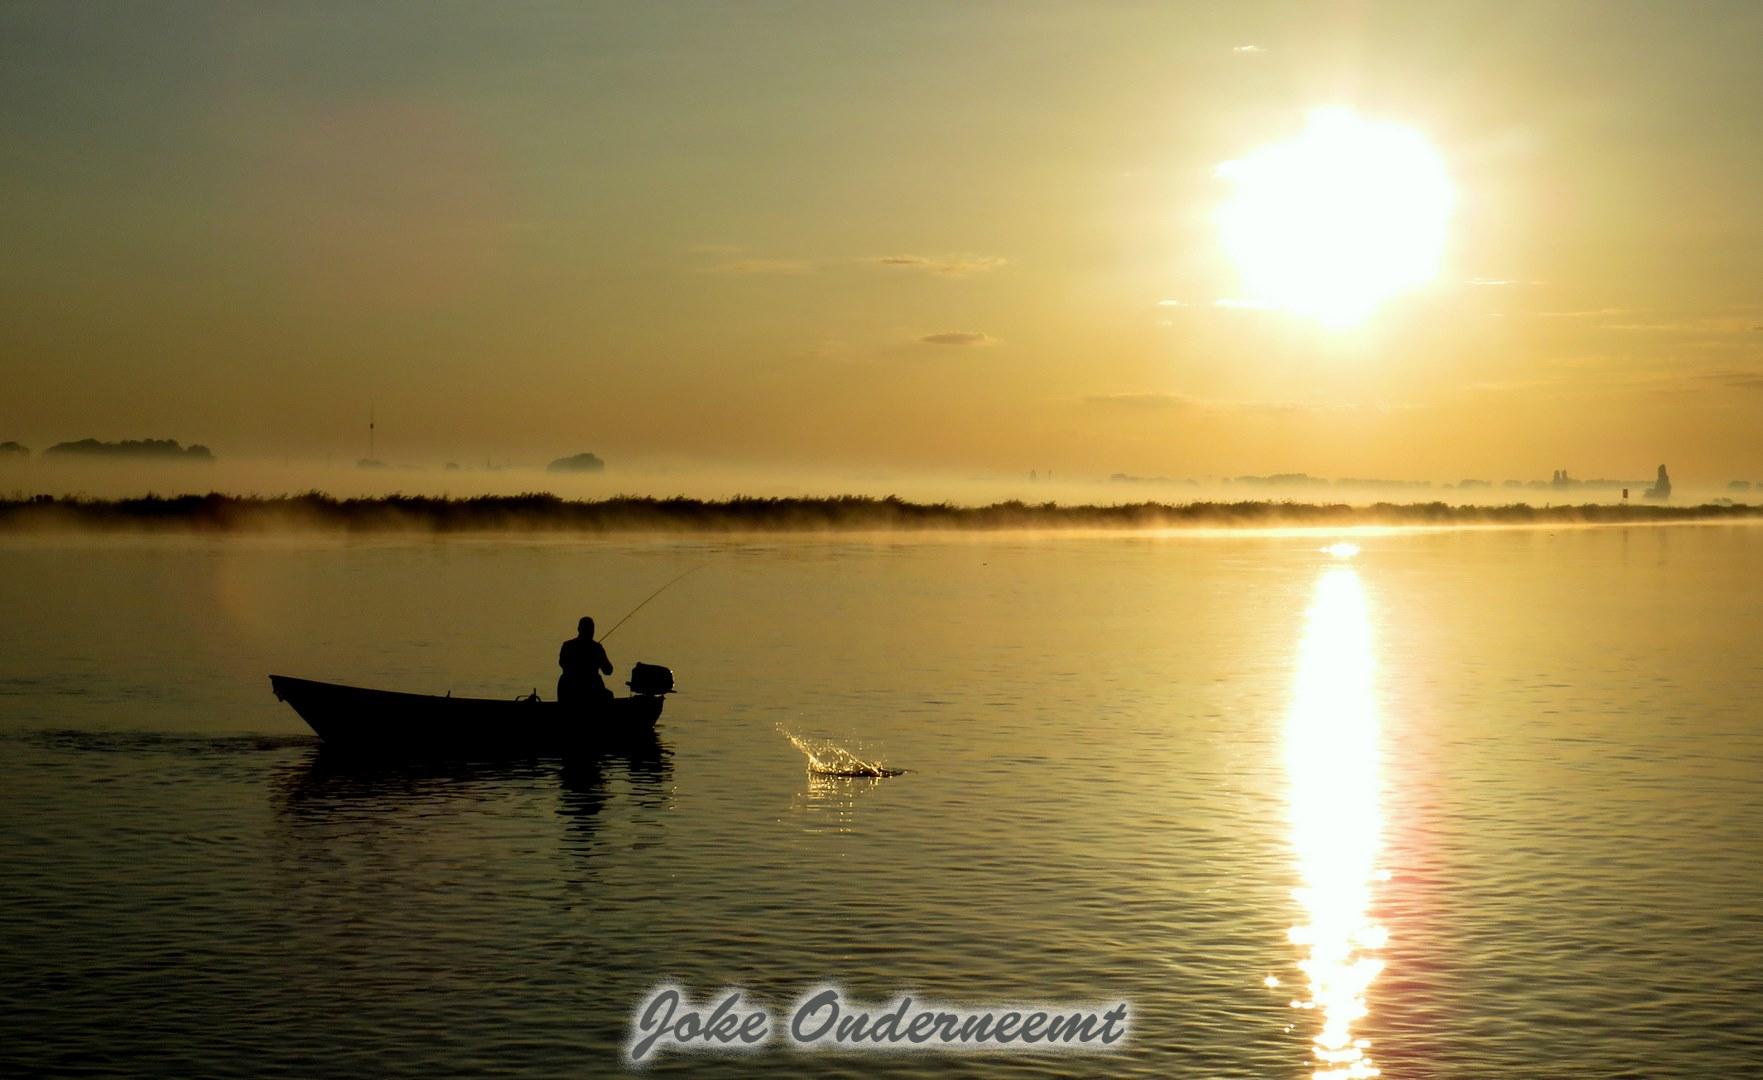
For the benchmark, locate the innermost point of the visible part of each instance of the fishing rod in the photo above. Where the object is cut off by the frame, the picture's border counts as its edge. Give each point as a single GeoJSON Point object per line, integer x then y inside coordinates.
{"type": "Point", "coordinates": [648, 598]}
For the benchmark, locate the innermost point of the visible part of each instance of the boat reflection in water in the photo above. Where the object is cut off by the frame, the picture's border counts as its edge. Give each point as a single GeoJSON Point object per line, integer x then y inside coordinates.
{"type": "Point", "coordinates": [379, 796]}
{"type": "Point", "coordinates": [1332, 764]}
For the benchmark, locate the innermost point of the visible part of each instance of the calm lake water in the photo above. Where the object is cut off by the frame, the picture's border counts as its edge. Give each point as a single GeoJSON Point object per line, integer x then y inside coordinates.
{"type": "Point", "coordinates": [1488, 802]}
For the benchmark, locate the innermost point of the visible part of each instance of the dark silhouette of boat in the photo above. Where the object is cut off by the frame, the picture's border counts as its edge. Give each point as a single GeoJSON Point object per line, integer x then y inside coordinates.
{"type": "Point", "coordinates": [423, 725]}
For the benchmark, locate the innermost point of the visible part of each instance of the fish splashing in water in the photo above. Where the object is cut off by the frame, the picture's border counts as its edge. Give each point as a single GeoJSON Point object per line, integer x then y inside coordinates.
{"type": "Point", "coordinates": [829, 759]}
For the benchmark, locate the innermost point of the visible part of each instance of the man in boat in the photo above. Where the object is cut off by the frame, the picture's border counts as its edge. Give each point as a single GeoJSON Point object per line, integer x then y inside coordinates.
{"type": "Point", "coordinates": [583, 661]}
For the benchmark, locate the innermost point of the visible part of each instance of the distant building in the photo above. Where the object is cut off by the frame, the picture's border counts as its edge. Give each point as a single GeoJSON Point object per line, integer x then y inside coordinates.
{"type": "Point", "coordinates": [1661, 488]}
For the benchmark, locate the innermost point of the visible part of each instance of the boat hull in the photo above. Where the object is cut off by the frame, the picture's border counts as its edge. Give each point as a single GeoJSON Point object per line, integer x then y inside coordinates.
{"type": "Point", "coordinates": [388, 722]}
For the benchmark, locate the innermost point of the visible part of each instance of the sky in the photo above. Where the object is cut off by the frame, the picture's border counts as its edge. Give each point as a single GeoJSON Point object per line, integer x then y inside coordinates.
{"type": "Point", "coordinates": [978, 236]}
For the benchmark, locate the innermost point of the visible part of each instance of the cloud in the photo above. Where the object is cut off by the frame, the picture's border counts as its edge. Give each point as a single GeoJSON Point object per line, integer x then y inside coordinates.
{"type": "Point", "coordinates": [1743, 380]}
{"type": "Point", "coordinates": [958, 337]}
{"type": "Point", "coordinates": [1650, 381]}
{"type": "Point", "coordinates": [1585, 313]}
{"type": "Point", "coordinates": [1172, 402]}
{"type": "Point", "coordinates": [940, 265]}
{"type": "Point", "coordinates": [1223, 303]}
{"type": "Point", "coordinates": [1687, 326]}
{"type": "Point", "coordinates": [1141, 401]}
{"type": "Point", "coordinates": [1247, 49]}
{"type": "Point", "coordinates": [1497, 283]}
{"type": "Point", "coordinates": [755, 267]}
{"type": "Point", "coordinates": [937, 265]}
{"type": "Point", "coordinates": [832, 349]}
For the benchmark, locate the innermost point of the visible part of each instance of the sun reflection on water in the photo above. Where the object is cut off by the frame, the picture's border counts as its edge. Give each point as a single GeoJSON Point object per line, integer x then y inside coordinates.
{"type": "Point", "coordinates": [1332, 764]}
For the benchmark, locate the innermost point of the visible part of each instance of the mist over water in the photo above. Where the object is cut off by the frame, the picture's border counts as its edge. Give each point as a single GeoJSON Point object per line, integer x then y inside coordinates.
{"type": "Point", "coordinates": [696, 479]}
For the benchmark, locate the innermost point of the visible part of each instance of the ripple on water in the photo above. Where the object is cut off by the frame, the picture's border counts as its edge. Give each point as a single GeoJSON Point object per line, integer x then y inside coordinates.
{"type": "Point", "coordinates": [1099, 806]}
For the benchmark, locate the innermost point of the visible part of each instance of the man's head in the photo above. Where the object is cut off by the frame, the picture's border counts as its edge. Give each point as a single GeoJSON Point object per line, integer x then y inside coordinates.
{"type": "Point", "coordinates": [585, 627]}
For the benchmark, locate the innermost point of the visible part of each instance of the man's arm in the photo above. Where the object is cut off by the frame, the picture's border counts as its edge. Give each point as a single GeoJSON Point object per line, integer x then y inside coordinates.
{"type": "Point", "coordinates": [605, 662]}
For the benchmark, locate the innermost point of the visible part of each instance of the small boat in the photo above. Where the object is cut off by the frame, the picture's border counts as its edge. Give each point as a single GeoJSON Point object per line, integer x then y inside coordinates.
{"type": "Point", "coordinates": [426, 725]}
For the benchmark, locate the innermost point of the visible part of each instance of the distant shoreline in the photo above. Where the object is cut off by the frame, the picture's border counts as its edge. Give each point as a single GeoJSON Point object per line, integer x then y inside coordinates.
{"type": "Point", "coordinates": [546, 513]}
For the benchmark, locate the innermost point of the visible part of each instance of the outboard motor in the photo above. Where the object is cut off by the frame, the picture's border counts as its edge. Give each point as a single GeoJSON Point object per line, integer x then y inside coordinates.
{"type": "Point", "coordinates": [650, 679]}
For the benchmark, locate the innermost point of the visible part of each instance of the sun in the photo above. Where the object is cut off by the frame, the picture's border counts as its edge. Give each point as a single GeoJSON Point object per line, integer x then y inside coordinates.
{"type": "Point", "coordinates": [1338, 219]}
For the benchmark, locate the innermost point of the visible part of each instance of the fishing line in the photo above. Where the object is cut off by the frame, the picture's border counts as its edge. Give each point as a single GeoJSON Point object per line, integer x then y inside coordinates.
{"type": "Point", "coordinates": [648, 598]}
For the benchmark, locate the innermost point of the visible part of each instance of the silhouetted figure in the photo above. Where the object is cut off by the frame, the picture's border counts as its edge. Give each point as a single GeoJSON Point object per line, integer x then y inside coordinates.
{"type": "Point", "coordinates": [583, 661]}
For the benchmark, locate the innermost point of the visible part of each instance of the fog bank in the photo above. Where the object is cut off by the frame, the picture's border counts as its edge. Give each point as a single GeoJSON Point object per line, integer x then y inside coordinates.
{"type": "Point", "coordinates": [116, 479]}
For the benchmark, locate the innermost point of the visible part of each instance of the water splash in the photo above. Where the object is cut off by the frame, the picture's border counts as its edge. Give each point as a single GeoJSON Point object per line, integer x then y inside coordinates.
{"type": "Point", "coordinates": [830, 759]}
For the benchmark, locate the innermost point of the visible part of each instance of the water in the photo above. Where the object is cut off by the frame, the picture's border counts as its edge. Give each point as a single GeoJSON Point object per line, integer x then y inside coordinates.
{"type": "Point", "coordinates": [1490, 802]}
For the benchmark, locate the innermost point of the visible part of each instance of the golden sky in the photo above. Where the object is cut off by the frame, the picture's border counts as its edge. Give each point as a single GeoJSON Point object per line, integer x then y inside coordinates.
{"type": "Point", "coordinates": [959, 236]}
